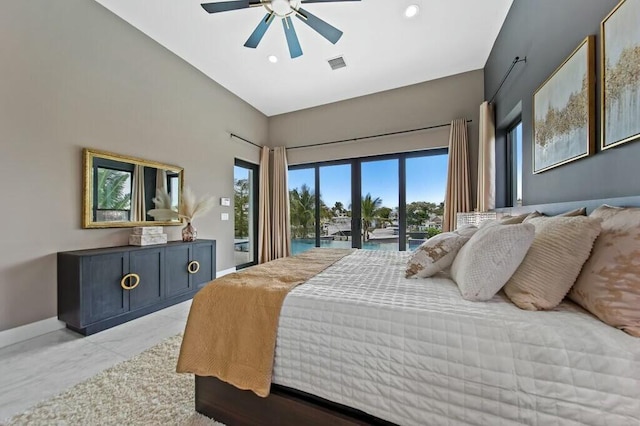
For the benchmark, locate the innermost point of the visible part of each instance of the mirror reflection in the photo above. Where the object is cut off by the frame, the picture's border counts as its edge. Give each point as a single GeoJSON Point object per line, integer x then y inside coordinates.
{"type": "Point", "coordinates": [121, 190]}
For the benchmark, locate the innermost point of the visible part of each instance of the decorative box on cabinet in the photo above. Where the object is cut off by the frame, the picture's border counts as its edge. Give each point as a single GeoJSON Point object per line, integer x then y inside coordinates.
{"type": "Point", "coordinates": [101, 288]}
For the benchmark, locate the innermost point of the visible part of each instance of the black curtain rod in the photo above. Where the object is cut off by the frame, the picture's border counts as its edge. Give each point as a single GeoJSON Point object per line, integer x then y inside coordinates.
{"type": "Point", "coordinates": [373, 136]}
{"type": "Point", "coordinates": [353, 139]}
{"type": "Point", "coordinates": [233, 135]}
{"type": "Point", "coordinates": [513, 64]}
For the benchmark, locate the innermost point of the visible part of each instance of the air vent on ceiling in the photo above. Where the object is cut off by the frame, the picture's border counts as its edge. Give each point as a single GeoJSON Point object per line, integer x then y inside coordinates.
{"type": "Point", "coordinates": [337, 63]}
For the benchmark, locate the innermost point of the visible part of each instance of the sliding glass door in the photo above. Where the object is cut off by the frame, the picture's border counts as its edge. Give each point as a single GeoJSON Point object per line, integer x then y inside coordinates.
{"type": "Point", "coordinates": [380, 192]}
{"type": "Point", "coordinates": [400, 201]}
{"type": "Point", "coordinates": [425, 190]}
{"type": "Point", "coordinates": [302, 200]}
{"type": "Point", "coordinates": [335, 205]}
{"type": "Point", "coordinates": [245, 206]}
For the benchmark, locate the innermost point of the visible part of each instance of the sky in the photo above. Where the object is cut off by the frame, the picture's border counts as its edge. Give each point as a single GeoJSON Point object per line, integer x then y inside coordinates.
{"type": "Point", "coordinates": [518, 137]}
{"type": "Point", "coordinates": [426, 180]}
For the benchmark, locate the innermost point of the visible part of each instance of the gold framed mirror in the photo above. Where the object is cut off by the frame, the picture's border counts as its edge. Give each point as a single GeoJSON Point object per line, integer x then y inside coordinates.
{"type": "Point", "coordinates": [119, 190]}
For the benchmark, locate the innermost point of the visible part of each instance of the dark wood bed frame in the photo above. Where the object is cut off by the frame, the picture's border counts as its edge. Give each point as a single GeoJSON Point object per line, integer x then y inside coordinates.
{"type": "Point", "coordinates": [289, 407]}
{"type": "Point", "coordinates": [283, 407]}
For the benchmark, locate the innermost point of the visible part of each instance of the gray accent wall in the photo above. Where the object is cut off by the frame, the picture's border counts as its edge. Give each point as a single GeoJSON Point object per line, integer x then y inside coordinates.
{"type": "Point", "coordinates": [546, 32]}
{"type": "Point", "coordinates": [74, 75]}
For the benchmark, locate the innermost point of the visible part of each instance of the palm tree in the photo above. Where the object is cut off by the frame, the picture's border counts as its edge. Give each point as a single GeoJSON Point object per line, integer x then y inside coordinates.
{"type": "Point", "coordinates": [369, 208]}
{"type": "Point", "coordinates": [111, 190]}
{"type": "Point", "coordinates": [302, 209]}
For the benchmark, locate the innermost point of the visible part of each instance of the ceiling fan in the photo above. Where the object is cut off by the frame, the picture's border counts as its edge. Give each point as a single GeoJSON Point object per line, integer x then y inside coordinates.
{"type": "Point", "coordinates": [283, 9]}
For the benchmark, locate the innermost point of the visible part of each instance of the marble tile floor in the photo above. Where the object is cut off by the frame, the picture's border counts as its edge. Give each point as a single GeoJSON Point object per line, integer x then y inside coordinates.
{"type": "Point", "coordinates": [39, 368]}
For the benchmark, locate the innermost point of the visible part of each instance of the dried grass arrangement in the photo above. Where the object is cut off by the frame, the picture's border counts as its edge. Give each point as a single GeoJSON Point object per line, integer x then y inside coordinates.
{"type": "Point", "coordinates": [190, 207]}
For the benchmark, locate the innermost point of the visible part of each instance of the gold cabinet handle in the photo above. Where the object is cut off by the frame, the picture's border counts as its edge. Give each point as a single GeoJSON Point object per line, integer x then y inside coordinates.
{"type": "Point", "coordinates": [193, 267]}
{"type": "Point", "coordinates": [123, 282]}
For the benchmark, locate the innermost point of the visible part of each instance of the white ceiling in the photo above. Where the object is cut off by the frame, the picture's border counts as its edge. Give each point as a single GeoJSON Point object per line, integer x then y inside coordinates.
{"type": "Point", "coordinates": [382, 48]}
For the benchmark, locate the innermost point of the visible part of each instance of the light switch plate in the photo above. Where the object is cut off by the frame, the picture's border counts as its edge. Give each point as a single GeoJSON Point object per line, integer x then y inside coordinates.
{"type": "Point", "coordinates": [224, 216]}
{"type": "Point", "coordinates": [225, 201]}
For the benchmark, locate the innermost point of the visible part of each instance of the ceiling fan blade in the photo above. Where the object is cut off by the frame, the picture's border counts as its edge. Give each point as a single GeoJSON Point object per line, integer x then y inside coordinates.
{"type": "Point", "coordinates": [258, 33]}
{"type": "Point", "coordinates": [326, 30]}
{"type": "Point", "coordinates": [229, 5]}
{"type": "Point", "coordinates": [324, 1]}
{"type": "Point", "coordinates": [292, 39]}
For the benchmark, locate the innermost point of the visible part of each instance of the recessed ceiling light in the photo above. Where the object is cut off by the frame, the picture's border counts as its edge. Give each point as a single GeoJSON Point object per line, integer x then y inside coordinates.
{"type": "Point", "coordinates": [411, 11]}
{"type": "Point", "coordinates": [273, 59]}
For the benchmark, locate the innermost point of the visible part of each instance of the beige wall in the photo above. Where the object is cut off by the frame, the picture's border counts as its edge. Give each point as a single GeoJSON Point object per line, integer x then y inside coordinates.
{"type": "Point", "coordinates": [74, 75]}
{"type": "Point", "coordinates": [421, 105]}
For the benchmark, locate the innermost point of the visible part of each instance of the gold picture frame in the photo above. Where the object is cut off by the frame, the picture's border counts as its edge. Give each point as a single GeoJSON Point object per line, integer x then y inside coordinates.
{"type": "Point", "coordinates": [564, 111]}
{"type": "Point", "coordinates": [620, 65]}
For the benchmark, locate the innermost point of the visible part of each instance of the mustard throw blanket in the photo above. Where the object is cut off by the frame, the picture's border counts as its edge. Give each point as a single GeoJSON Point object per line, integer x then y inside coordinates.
{"type": "Point", "coordinates": [233, 322]}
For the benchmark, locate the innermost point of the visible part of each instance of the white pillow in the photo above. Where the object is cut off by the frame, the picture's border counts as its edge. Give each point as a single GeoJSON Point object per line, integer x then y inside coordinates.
{"type": "Point", "coordinates": [488, 260]}
{"type": "Point", "coordinates": [438, 252]}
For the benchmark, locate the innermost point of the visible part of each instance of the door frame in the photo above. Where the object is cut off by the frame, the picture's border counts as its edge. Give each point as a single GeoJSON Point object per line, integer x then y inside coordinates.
{"type": "Point", "coordinates": [254, 189]}
{"type": "Point", "coordinates": [356, 190]}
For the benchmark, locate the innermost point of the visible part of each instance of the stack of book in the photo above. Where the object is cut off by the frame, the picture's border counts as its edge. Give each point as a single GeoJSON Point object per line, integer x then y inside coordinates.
{"type": "Point", "coordinates": [147, 235]}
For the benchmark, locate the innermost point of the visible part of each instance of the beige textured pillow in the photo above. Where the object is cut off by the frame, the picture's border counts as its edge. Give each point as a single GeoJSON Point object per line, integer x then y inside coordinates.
{"type": "Point", "coordinates": [582, 211]}
{"type": "Point", "coordinates": [560, 248]}
{"type": "Point", "coordinates": [512, 220]}
{"type": "Point", "coordinates": [490, 257]}
{"type": "Point", "coordinates": [504, 220]}
{"type": "Point", "coordinates": [438, 252]}
{"type": "Point", "coordinates": [609, 284]}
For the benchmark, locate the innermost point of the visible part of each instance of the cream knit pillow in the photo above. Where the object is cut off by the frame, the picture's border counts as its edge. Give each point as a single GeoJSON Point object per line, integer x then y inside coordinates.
{"type": "Point", "coordinates": [560, 248]}
{"type": "Point", "coordinates": [438, 252]}
{"type": "Point", "coordinates": [491, 256]}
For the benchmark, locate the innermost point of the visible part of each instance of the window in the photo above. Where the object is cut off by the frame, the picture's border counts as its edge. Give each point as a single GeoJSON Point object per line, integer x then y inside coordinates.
{"type": "Point", "coordinates": [245, 206]}
{"type": "Point", "coordinates": [426, 187]}
{"type": "Point", "coordinates": [302, 209]}
{"type": "Point", "coordinates": [113, 195]}
{"type": "Point", "coordinates": [380, 195]}
{"type": "Point", "coordinates": [401, 199]}
{"type": "Point", "coordinates": [173, 187]}
{"type": "Point", "coordinates": [514, 165]}
{"type": "Point", "coordinates": [335, 205]}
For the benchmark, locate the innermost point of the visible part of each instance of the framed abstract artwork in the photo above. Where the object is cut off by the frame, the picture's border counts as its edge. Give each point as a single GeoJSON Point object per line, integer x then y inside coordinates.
{"type": "Point", "coordinates": [564, 111]}
{"type": "Point", "coordinates": [620, 79]}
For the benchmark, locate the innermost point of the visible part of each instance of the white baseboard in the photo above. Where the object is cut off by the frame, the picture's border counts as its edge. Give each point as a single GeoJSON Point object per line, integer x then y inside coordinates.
{"type": "Point", "coordinates": [29, 331]}
{"type": "Point", "coordinates": [225, 272]}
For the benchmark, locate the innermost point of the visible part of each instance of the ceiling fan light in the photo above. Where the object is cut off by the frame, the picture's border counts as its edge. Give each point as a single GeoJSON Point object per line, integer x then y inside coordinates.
{"type": "Point", "coordinates": [273, 59]}
{"type": "Point", "coordinates": [411, 11]}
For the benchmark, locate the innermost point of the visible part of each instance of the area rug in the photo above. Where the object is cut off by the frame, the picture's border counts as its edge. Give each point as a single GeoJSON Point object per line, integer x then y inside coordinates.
{"type": "Point", "coordinates": [144, 390]}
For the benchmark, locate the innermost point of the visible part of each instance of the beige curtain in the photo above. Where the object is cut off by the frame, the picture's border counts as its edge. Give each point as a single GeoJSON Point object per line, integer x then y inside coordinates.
{"type": "Point", "coordinates": [264, 209]}
{"type": "Point", "coordinates": [457, 197]}
{"type": "Point", "coordinates": [486, 159]}
{"type": "Point", "coordinates": [161, 182]}
{"type": "Point", "coordinates": [138, 211]}
{"type": "Point", "coordinates": [281, 222]}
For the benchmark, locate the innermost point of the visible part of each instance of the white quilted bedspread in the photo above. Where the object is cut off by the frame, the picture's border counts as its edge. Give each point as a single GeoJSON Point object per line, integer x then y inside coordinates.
{"type": "Point", "coordinates": [413, 352]}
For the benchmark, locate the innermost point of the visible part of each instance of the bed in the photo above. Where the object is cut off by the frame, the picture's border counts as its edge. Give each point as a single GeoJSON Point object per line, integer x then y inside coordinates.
{"type": "Point", "coordinates": [360, 344]}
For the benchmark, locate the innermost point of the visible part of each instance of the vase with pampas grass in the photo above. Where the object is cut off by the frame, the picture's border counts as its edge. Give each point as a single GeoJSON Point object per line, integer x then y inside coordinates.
{"type": "Point", "coordinates": [190, 208]}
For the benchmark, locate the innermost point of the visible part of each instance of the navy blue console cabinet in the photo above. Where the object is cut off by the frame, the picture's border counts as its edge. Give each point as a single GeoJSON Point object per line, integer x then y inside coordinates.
{"type": "Point", "coordinates": [101, 288]}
